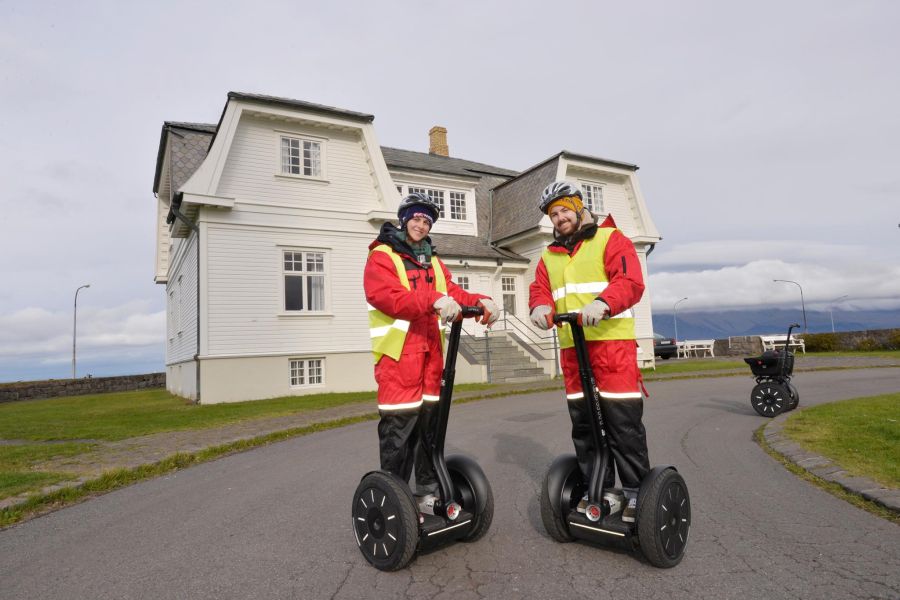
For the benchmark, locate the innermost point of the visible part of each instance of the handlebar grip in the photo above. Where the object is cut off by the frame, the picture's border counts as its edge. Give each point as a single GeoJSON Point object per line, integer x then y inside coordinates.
{"type": "Point", "coordinates": [572, 318]}
{"type": "Point", "coordinates": [471, 311]}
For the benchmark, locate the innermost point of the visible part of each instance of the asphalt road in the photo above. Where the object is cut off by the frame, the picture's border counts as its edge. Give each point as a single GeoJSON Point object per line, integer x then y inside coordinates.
{"type": "Point", "coordinates": [275, 522]}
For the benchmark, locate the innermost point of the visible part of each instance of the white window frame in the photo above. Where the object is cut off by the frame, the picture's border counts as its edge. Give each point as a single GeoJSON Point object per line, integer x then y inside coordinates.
{"type": "Point", "coordinates": [323, 154]}
{"type": "Point", "coordinates": [170, 324]}
{"type": "Point", "coordinates": [463, 282]}
{"type": "Point", "coordinates": [284, 273]}
{"type": "Point", "coordinates": [180, 309]}
{"type": "Point", "coordinates": [509, 290]}
{"type": "Point", "coordinates": [461, 206]}
{"type": "Point", "coordinates": [302, 367]}
{"type": "Point", "coordinates": [590, 191]}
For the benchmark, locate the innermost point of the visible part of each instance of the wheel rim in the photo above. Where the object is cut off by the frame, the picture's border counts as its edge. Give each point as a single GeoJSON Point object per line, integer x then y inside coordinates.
{"type": "Point", "coordinates": [768, 400]}
{"type": "Point", "coordinates": [377, 520]}
{"type": "Point", "coordinates": [674, 519]}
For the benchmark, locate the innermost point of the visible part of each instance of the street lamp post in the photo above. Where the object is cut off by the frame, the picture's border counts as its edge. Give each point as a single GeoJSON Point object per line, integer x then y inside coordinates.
{"type": "Point", "coordinates": [802, 303]}
{"type": "Point", "coordinates": [75, 325]}
{"type": "Point", "coordinates": [675, 318]}
{"type": "Point", "coordinates": [831, 309]}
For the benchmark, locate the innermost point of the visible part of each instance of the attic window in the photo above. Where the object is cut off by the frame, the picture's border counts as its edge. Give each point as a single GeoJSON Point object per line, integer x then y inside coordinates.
{"type": "Point", "coordinates": [301, 156]}
{"type": "Point", "coordinates": [593, 197]}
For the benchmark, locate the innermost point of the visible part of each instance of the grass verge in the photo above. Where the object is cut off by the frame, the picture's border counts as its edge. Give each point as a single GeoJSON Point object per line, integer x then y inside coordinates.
{"type": "Point", "coordinates": [119, 478]}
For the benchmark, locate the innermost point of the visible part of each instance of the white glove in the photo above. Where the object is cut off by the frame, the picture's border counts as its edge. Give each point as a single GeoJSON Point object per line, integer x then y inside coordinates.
{"type": "Point", "coordinates": [491, 311]}
{"type": "Point", "coordinates": [594, 312]}
{"type": "Point", "coordinates": [447, 308]}
{"type": "Point", "coordinates": [541, 316]}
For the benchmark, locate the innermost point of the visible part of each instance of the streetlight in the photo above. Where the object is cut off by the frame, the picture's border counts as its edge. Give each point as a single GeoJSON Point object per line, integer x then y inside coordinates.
{"type": "Point", "coordinates": [802, 304]}
{"type": "Point", "coordinates": [675, 318]}
{"type": "Point", "coordinates": [831, 309]}
{"type": "Point", "coordinates": [75, 325]}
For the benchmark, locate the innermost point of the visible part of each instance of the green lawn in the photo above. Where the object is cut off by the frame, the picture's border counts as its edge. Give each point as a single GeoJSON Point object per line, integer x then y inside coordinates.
{"type": "Point", "coordinates": [876, 353]}
{"type": "Point", "coordinates": [691, 366]}
{"type": "Point", "coordinates": [123, 415]}
{"type": "Point", "coordinates": [862, 435]}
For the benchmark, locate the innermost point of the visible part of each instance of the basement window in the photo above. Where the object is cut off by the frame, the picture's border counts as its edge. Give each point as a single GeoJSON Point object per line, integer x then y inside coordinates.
{"type": "Point", "coordinates": [307, 372]}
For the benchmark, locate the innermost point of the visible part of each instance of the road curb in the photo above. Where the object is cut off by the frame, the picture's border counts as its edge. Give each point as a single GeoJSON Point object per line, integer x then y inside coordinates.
{"type": "Point", "coordinates": [824, 468]}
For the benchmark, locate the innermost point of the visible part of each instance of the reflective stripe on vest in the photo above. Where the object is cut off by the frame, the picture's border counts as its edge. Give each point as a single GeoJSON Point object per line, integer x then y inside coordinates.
{"type": "Point", "coordinates": [388, 334]}
{"type": "Point", "coordinates": [576, 281]}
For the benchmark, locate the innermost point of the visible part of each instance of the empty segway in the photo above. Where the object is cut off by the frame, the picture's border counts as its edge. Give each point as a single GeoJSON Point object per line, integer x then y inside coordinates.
{"type": "Point", "coordinates": [774, 393]}
{"type": "Point", "coordinates": [663, 518]}
{"type": "Point", "coordinates": [386, 520]}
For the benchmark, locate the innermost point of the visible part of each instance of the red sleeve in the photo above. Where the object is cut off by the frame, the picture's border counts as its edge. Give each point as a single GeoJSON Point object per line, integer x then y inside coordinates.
{"type": "Point", "coordinates": [385, 292]}
{"type": "Point", "coordinates": [539, 292]}
{"type": "Point", "coordinates": [626, 281]}
{"type": "Point", "coordinates": [463, 297]}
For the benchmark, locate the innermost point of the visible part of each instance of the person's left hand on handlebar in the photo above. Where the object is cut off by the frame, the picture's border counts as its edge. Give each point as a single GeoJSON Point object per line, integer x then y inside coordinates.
{"type": "Point", "coordinates": [594, 312]}
{"type": "Point", "coordinates": [491, 311]}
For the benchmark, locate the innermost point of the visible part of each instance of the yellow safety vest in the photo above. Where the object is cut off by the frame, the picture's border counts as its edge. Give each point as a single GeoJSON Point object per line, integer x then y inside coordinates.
{"type": "Point", "coordinates": [576, 281]}
{"type": "Point", "coordinates": [388, 334]}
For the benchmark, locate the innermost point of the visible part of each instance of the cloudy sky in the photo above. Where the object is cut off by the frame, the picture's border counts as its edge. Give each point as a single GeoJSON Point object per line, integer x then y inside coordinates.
{"type": "Point", "coordinates": [767, 136]}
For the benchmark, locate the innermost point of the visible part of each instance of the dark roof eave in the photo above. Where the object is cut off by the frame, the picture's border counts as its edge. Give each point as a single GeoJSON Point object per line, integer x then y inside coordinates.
{"type": "Point", "coordinates": [394, 166]}
{"type": "Point", "coordinates": [166, 128]}
{"type": "Point", "coordinates": [295, 104]}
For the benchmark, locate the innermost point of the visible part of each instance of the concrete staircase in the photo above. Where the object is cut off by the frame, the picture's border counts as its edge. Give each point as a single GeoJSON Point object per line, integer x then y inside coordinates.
{"type": "Point", "coordinates": [509, 363]}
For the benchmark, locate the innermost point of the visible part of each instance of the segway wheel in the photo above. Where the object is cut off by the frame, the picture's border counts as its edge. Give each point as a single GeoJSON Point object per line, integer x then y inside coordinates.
{"type": "Point", "coordinates": [474, 494]}
{"type": "Point", "coordinates": [769, 399]}
{"type": "Point", "coordinates": [563, 487]}
{"type": "Point", "coordinates": [795, 396]}
{"type": "Point", "coordinates": [385, 521]}
{"type": "Point", "coordinates": [664, 518]}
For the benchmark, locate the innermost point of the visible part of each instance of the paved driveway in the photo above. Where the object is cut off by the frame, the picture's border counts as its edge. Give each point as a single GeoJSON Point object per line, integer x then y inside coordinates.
{"type": "Point", "coordinates": [274, 522]}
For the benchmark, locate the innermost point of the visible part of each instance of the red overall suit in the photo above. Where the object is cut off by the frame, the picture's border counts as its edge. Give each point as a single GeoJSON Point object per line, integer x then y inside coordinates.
{"type": "Point", "coordinates": [408, 387]}
{"type": "Point", "coordinates": [614, 362]}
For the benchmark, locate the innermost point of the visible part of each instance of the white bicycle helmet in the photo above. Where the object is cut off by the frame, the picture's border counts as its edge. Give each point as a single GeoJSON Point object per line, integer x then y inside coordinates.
{"type": "Point", "coordinates": [557, 190]}
{"type": "Point", "coordinates": [418, 199]}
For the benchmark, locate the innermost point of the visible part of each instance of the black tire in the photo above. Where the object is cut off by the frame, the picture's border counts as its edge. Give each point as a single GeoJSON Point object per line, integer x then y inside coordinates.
{"type": "Point", "coordinates": [769, 399]}
{"type": "Point", "coordinates": [561, 490]}
{"type": "Point", "coordinates": [664, 518]}
{"type": "Point", "coordinates": [385, 521]}
{"type": "Point", "coordinates": [474, 494]}
{"type": "Point", "coordinates": [666, 356]}
{"type": "Point", "coordinates": [795, 396]}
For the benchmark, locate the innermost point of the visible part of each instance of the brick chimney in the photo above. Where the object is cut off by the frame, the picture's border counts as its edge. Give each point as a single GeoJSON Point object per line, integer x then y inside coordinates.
{"type": "Point", "coordinates": [437, 141]}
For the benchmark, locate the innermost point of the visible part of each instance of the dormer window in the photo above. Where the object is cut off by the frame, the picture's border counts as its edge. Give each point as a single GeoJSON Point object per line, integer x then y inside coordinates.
{"type": "Point", "coordinates": [301, 156]}
{"type": "Point", "coordinates": [593, 197]}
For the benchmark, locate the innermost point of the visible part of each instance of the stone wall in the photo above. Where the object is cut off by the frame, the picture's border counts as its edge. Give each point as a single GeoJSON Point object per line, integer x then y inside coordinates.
{"type": "Point", "coordinates": [751, 345]}
{"type": "Point", "coordinates": [32, 390]}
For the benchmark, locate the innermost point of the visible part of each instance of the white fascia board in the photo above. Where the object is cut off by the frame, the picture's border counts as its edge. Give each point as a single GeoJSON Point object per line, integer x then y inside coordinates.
{"type": "Point", "coordinates": [380, 216]}
{"type": "Point", "coordinates": [650, 229]}
{"type": "Point", "coordinates": [387, 193]}
{"type": "Point", "coordinates": [599, 168]}
{"type": "Point", "coordinates": [206, 200]}
{"type": "Point", "coordinates": [428, 178]}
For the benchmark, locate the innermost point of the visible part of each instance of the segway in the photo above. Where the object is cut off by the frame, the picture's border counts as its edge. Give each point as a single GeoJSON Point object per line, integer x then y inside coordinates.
{"type": "Point", "coordinates": [386, 520]}
{"type": "Point", "coordinates": [774, 393]}
{"type": "Point", "coordinates": [663, 519]}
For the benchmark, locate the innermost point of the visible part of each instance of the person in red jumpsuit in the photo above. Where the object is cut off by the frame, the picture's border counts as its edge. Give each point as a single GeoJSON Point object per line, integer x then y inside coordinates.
{"type": "Point", "coordinates": [409, 384]}
{"type": "Point", "coordinates": [613, 349]}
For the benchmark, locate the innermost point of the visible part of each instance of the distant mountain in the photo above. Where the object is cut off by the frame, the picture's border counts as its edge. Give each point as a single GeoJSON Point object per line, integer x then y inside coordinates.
{"type": "Point", "coordinates": [761, 321]}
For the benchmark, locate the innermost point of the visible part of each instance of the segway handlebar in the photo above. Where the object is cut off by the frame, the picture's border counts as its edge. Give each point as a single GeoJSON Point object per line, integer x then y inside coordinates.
{"type": "Point", "coordinates": [470, 311]}
{"type": "Point", "coordinates": [572, 318]}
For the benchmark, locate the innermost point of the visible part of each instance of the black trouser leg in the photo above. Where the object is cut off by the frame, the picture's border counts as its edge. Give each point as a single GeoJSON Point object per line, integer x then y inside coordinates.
{"type": "Point", "coordinates": [583, 439]}
{"type": "Point", "coordinates": [398, 436]}
{"type": "Point", "coordinates": [627, 438]}
{"type": "Point", "coordinates": [426, 478]}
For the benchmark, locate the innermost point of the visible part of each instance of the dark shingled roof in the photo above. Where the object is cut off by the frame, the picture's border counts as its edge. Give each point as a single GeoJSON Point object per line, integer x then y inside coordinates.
{"type": "Point", "coordinates": [470, 246]}
{"type": "Point", "coordinates": [435, 163]}
{"type": "Point", "coordinates": [190, 144]}
{"type": "Point", "coordinates": [290, 103]}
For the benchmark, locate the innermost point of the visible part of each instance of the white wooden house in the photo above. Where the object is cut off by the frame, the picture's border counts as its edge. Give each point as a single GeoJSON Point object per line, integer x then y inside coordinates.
{"type": "Point", "coordinates": [263, 225]}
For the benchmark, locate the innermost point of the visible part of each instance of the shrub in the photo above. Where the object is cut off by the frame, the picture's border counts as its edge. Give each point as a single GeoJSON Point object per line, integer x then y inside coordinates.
{"type": "Point", "coordinates": [821, 342]}
{"type": "Point", "coordinates": [867, 344]}
{"type": "Point", "coordinates": [893, 341]}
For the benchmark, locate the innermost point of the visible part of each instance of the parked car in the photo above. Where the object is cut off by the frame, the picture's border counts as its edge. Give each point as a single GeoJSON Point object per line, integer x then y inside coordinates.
{"type": "Point", "coordinates": [664, 347]}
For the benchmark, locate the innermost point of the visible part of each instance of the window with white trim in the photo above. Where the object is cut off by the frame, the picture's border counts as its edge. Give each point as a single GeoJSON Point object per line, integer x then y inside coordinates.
{"type": "Point", "coordinates": [180, 309]}
{"type": "Point", "coordinates": [307, 371]}
{"type": "Point", "coordinates": [436, 196]}
{"type": "Point", "coordinates": [171, 314]}
{"type": "Point", "coordinates": [457, 206]}
{"type": "Point", "coordinates": [593, 197]}
{"type": "Point", "coordinates": [463, 281]}
{"type": "Point", "coordinates": [301, 156]}
{"type": "Point", "coordinates": [304, 280]}
{"type": "Point", "coordinates": [508, 287]}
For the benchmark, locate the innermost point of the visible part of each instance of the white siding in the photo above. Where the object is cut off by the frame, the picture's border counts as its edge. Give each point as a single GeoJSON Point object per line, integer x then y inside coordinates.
{"type": "Point", "coordinates": [181, 291]}
{"type": "Point", "coordinates": [252, 171]}
{"type": "Point", "coordinates": [245, 298]}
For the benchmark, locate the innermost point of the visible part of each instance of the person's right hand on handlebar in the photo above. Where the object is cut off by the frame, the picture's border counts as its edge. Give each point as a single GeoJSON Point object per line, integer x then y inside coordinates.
{"type": "Point", "coordinates": [542, 317]}
{"type": "Point", "coordinates": [594, 312]}
{"type": "Point", "coordinates": [447, 308]}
